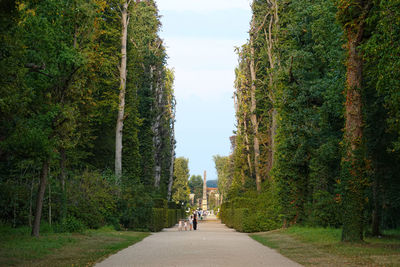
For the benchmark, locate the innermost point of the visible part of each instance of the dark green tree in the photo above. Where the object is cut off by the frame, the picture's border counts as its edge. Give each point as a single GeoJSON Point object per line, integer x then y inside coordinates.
{"type": "Point", "coordinates": [180, 188]}
{"type": "Point", "coordinates": [196, 187]}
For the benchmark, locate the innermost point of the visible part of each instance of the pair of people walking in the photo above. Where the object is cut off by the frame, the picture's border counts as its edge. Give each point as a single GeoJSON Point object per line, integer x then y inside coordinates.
{"type": "Point", "coordinates": [192, 221]}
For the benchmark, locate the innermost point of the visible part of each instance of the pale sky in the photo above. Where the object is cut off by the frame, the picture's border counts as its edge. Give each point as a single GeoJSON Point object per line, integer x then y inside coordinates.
{"type": "Point", "coordinates": [200, 36]}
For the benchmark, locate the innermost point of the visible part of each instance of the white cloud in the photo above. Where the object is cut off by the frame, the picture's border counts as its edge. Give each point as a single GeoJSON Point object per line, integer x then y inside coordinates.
{"type": "Point", "coordinates": [203, 67]}
{"type": "Point", "coordinates": [199, 53]}
{"type": "Point", "coordinates": [202, 5]}
{"type": "Point", "coordinates": [204, 84]}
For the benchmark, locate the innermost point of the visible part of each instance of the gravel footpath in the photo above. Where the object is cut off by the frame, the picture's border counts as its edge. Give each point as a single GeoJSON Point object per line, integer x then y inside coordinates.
{"type": "Point", "coordinates": [213, 244]}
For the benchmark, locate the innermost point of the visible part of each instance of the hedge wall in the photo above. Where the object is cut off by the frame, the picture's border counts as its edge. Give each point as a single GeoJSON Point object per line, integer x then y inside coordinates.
{"type": "Point", "coordinates": [160, 203]}
{"type": "Point", "coordinates": [158, 220]}
{"type": "Point", "coordinates": [164, 218]}
{"type": "Point", "coordinates": [253, 218]}
{"type": "Point", "coordinates": [171, 218]}
{"type": "Point", "coordinates": [172, 205]}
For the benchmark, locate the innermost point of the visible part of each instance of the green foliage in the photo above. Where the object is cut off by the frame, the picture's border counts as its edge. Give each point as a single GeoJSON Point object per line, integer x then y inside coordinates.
{"type": "Point", "coordinates": [160, 203]}
{"type": "Point", "coordinates": [310, 104]}
{"type": "Point", "coordinates": [92, 199]}
{"type": "Point", "coordinates": [70, 225]}
{"type": "Point", "coordinates": [305, 244]}
{"type": "Point", "coordinates": [172, 205]}
{"type": "Point", "coordinates": [252, 213]}
{"type": "Point", "coordinates": [59, 90]}
{"type": "Point", "coordinates": [136, 207]}
{"type": "Point", "coordinates": [172, 217]}
{"type": "Point", "coordinates": [382, 115]}
{"type": "Point", "coordinates": [180, 188]}
{"type": "Point", "coordinates": [354, 183]}
{"type": "Point", "coordinates": [196, 187]}
{"type": "Point", "coordinates": [58, 249]}
{"type": "Point", "coordinates": [158, 219]}
{"type": "Point", "coordinates": [223, 165]}
{"type": "Point", "coordinates": [298, 54]}
{"type": "Point", "coordinates": [325, 211]}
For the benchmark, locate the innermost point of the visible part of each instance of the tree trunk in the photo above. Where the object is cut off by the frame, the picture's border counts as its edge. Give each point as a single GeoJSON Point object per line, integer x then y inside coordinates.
{"type": "Point", "coordinates": [156, 126]}
{"type": "Point", "coordinates": [253, 107]}
{"type": "Point", "coordinates": [353, 178]}
{"type": "Point", "coordinates": [243, 121]}
{"type": "Point", "coordinates": [246, 139]}
{"type": "Point", "coordinates": [122, 89]}
{"type": "Point", "coordinates": [172, 162]}
{"type": "Point", "coordinates": [353, 160]}
{"type": "Point", "coordinates": [273, 130]}
{"type": "Point", "coordinates": [270, 40]}
{"type": "Point", "coordinates": [171, 167]}
{"type": "Point", "coordinates": [39, 198]}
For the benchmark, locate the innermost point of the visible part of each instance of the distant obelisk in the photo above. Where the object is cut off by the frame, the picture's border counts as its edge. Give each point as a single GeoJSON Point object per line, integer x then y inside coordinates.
{"type": "Point", "coordinates": [204, 201]}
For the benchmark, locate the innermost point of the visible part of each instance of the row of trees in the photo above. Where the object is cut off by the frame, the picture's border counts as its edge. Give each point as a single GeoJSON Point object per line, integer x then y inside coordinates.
{"type": "Point", "coordinates": [87, 112]}
{"type": "Point", "coordinates": [317, 115]}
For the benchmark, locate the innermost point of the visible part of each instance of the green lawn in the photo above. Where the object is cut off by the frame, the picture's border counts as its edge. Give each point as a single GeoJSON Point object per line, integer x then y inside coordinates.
{"type": "Point", "coordinates": [18, 248]}
{"type": "Point", "coordinates": [322, 247]}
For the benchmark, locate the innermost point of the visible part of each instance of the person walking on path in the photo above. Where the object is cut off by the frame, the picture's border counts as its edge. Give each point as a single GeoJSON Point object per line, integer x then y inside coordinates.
{"type": "Point", "coordinates": [191, 222]}
{"type": "Point", "coordinates": [195, 222]}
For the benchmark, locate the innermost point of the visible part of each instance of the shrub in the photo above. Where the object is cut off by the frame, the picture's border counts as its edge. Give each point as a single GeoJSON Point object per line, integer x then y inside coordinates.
{"type": "Point", "coordinates": [172, 218]}
{"type": "Point", "coordinates": [45, 227]}
{"type": "Point", "coordinates": [136, 207]}
{"type": "Point", "coordinates": [172, 205]}
{"type": "Point", "coordinates": [158, 220]}
{"type": "Point", "coordinates": [325, 211]}
{"type": "Point", "coordinates": [91, 199]}
{"type": "Point", "coordinates": [136, 216]}
{"type": "Point", "coordinates": [227, 214]}
{"type": "Point", "coordinates": [239, 219]}
{"type": "Point", "coordinates": [70, 225]}
{"type": "Point", "coordinates": [160, 203]}
{"type": "Point", "coordinates": [241, 202]}
{"type": "Point", "coordinates": [252, 213]}
{"type": "Point", "coordinates": [180, 214]}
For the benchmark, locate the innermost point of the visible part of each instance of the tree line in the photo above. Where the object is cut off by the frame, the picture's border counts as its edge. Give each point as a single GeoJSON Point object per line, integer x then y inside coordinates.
{"type": "Point", "coordinates": [317, 139]}
{"type": "Point", "coordinates": [87, 113]}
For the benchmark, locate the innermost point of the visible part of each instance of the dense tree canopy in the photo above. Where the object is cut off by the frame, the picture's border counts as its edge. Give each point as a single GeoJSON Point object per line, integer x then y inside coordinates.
{"type": "Point", "coordinates": [180, 188]}
{"type": "Point", "coordinates": [196, 187]}
{"type": "Point", "coordinates": [60, 79]}
{"type": "Point", "coordinates": [324, 78]}
{"type": "Point", "coordinates": [87, 117]}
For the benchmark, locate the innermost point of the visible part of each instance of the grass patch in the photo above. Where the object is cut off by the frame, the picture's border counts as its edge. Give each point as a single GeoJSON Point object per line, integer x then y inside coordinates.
{"type": "Point", "coordinates": [322, 247]}
{"type": "Point", "coordinates": [18, 248]}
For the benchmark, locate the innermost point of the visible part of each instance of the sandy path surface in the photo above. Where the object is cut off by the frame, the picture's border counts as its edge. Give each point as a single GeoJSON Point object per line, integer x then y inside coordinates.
{"type": "Point", "coordinates": [213, 244]}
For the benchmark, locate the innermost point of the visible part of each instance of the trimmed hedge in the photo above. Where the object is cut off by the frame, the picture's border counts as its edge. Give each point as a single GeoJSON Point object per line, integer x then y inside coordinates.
{"type": "Point", "coordinates": [172, 205]}
{"type": "Point", "coordinates": [160, 203]}
{"type": "Point", "coordinates": [164, 218]}
{"type": "Point", "coordinates": [253, 219]}
{"type": "Point", "coordinates": [240, 218]}
{"type": "Point", "coordinates": [158, 220]}
{"type": "Point", "coordinates": [171, 218]}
